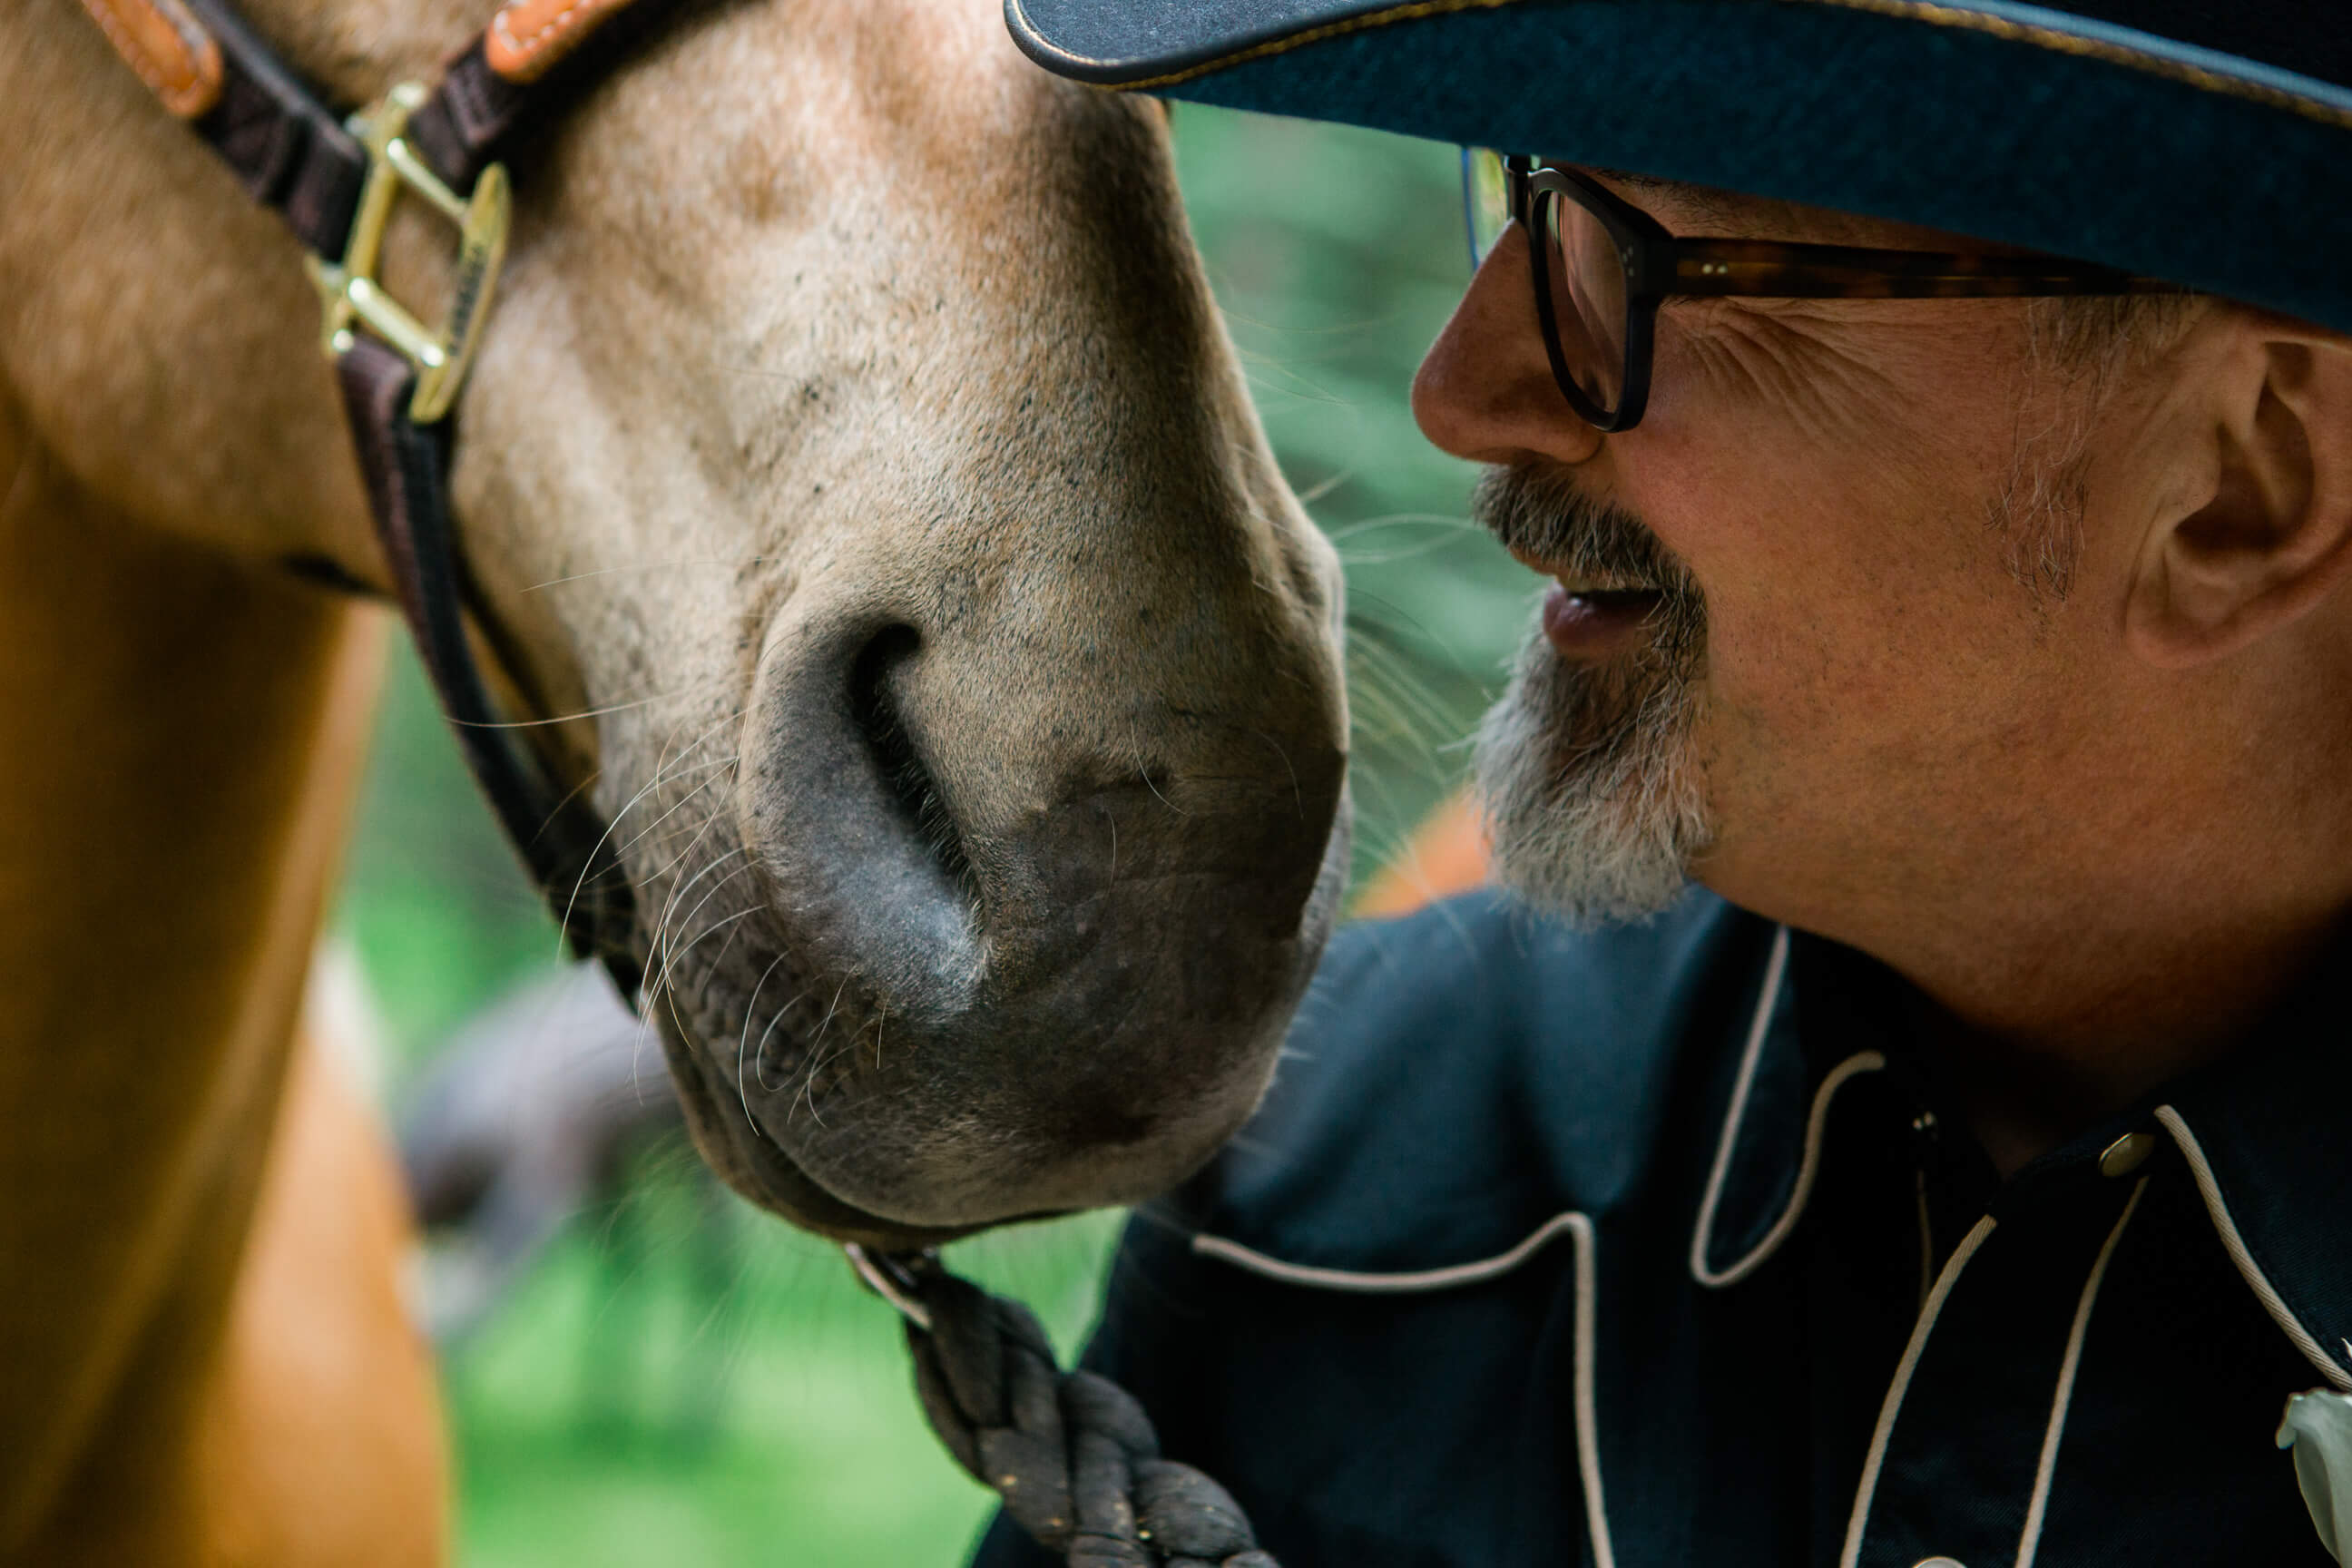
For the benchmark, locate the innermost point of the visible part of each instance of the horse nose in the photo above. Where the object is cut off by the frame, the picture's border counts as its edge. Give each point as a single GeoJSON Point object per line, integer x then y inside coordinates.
{"type": "Point", "coordinates": [864, 863]}
{"type": "Point", "coordinates": [1085, 892]}
{"type": "Point", "coordinates": [954, 848]}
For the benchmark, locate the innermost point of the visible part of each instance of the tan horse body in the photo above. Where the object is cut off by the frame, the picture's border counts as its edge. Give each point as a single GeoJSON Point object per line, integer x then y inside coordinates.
{"type": "Point", "coordinates": [183, 1385]}
{"type": "Point", "coordinates": [826, 321]}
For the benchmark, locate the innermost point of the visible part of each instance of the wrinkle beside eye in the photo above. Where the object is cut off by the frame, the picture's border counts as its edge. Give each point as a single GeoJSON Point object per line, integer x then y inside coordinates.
{"type": "Point", "coordinates": [1792, 357]}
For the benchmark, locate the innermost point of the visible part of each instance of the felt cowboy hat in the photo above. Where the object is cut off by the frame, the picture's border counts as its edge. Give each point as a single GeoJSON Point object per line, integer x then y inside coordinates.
{"type": "Point", "coordinates": [2204, 142]}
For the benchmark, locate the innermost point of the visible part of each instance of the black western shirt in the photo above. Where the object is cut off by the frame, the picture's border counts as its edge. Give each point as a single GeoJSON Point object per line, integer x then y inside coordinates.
{"type": "Point", "coordinates": [1649, 1247]}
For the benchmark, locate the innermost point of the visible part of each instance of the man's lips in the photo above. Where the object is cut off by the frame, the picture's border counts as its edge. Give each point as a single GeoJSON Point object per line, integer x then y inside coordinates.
{"type": "Point", "coordinates": [1587, 621]}
{"type": "Point", "coordinates": [1590, 624]}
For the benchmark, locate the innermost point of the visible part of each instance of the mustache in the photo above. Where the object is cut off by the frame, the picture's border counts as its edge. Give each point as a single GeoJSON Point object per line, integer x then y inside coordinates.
{"type": "Point", "coordinates": [1541, 514]}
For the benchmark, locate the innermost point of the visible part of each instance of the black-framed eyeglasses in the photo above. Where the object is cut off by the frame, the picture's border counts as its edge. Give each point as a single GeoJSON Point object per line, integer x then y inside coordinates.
{"type": "Point", "coordinates": [1601, 266]}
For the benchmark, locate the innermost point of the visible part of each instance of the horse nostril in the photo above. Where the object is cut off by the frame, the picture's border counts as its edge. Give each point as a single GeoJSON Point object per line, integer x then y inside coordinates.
{"type": "Point", "coordinates": [912, 791]}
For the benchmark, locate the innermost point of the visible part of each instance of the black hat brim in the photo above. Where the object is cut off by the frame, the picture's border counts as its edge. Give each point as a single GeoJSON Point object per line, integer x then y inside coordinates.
{"type": "Point", "coordinates": [2016, 124]}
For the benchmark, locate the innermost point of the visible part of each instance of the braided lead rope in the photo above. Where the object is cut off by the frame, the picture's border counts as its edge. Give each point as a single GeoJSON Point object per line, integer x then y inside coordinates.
{"type": "Point", "coordinates": [1073, 1455]}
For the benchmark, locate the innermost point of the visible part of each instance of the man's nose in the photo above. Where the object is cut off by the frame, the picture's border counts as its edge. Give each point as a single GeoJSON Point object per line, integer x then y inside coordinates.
{"type": "Point", "coordinates": [1485, 390]}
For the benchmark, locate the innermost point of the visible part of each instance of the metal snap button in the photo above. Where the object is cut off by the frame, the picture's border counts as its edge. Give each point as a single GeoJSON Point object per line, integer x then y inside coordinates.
{"type": "Point", "coordinates": [2126, 1154]}
{"type": "Point", "coordinates": [1938, 1562]}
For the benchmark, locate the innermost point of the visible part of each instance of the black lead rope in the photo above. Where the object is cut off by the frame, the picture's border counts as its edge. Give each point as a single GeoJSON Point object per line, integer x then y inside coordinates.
{"type": "Point", "coordinates": [1073, 1455]}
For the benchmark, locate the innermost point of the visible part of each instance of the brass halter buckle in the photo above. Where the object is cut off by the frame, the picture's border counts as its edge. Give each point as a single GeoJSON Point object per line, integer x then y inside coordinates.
{"type": "Point", "coordinates": [352, 295]}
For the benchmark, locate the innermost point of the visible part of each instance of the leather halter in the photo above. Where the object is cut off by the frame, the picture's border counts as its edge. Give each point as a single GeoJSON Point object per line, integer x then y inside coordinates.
{"type": "Point", "coordinates": [335, 180]}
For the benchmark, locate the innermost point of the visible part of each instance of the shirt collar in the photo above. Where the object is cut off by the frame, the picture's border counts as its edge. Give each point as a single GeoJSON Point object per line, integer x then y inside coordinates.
{"type": "Point", "coordinates": [2261, 1132]}
{"type": "Point", "coordinates": [1817, 1024]}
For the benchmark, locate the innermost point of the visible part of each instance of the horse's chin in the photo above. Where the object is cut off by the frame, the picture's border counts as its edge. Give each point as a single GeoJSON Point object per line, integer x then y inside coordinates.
{"type": "Point", "coordinates": [1102, 1080]}
{"type": "Point", "coordinates": [760, 1171]}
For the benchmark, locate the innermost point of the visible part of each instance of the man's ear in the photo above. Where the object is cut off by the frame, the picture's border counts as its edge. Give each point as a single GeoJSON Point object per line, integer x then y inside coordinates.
{"type": "Point", "coordinates": [2267, 535]}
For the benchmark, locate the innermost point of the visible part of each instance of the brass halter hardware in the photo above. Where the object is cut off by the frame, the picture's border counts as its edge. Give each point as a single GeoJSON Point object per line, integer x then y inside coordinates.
{"type": "Point", "coordinates": [348, 291]}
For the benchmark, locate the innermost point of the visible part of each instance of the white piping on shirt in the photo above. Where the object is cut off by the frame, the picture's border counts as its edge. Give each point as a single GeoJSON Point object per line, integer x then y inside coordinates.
{"type": "Point", "coordinates": [1586, 1271]}
{"type": "Point", "coordinates": [2226, 1229]}
{"type": "Point", "coordinates": [1776, 968]}
{"type": "Point", "coordinates": [2030, 1541]}
{"type": "Point", "coordinates": [1895, 1391]}
{"type": "Point", "coordinates": [1587, 1405]}
{"type": "Point", "coordinates": [1485, 1269]}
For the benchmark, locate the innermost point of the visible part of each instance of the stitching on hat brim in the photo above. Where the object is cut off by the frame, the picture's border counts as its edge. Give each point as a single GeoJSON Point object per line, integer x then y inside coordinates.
{"type": "Point", "coordinates": [2054, 39]}
{"type": "Point", "coordinates": [1261, 50]}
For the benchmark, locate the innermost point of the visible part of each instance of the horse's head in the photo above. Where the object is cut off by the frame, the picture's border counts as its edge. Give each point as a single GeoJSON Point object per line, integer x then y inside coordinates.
{"type": "Point", "coordinates": [855, 443]}
{"type": "Point", "coordinates": [970, 720]}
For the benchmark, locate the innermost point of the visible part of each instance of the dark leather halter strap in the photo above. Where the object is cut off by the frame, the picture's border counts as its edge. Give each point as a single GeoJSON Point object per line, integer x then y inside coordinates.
{"type": "Point", "coordinates": [301, 159]}
{"type": "Point", "coordinates": [469, 117]}
{"type": "Point", "coordinates": [289, 149]}
{"type": "Point", "coordinates": [293, 151]}
{"type": "Point", "coordinates": [566, 845]}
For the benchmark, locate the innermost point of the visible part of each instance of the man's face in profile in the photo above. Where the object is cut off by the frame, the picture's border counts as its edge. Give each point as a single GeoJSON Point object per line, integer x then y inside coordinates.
{"type": "Point", "coordinates": [1845, 613]}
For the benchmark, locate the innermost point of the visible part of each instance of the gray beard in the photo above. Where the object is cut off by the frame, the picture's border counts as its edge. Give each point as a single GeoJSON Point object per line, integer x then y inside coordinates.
{"type": "Point", "coordinates": [1590, 775]}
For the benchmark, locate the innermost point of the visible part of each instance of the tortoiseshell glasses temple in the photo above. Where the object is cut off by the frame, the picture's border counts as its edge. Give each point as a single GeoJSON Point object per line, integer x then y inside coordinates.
{"type": "Point", "coordinates": [1600, 266]}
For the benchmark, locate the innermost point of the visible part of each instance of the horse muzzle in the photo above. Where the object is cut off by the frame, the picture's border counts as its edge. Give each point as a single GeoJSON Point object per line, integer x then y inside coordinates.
{"type": "Point", "coordinates": [1013, 959]}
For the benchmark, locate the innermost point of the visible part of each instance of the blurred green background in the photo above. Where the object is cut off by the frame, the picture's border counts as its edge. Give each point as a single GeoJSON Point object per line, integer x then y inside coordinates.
{"type": "Point", "coordinates": [682, 1380]}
